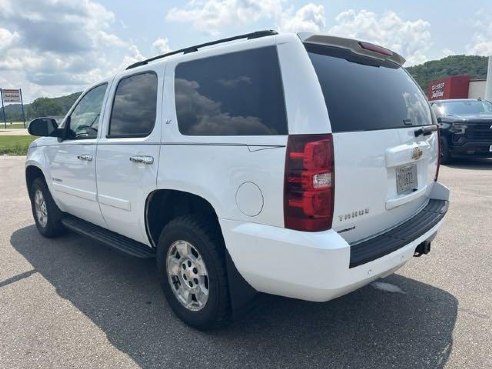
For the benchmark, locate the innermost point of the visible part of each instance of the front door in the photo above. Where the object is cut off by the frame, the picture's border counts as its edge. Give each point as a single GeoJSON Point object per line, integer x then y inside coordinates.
{"type": "Point", "coordinates": [73, 160]}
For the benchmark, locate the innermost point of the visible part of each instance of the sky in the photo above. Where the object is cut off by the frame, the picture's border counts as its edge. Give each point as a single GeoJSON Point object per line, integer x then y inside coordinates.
{"type": "Point", "coordinates": [55, 47]}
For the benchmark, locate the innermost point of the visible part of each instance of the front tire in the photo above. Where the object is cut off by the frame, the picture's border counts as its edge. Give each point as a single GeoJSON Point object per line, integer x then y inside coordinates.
{"type": "Point", "coordinates": [192, 271]}
{"type": "Point", "coordinates": [44, 210]}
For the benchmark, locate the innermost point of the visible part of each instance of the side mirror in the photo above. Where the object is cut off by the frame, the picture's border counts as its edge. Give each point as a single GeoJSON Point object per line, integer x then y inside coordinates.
{"type": "Point", "coordinates": [439, 120]}
{"type": "Point", "coordinates": [44, 127]}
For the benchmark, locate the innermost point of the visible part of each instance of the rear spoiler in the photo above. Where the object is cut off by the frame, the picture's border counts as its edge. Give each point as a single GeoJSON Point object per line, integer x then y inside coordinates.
{"type": "Point", "coordinates": [357, 47]}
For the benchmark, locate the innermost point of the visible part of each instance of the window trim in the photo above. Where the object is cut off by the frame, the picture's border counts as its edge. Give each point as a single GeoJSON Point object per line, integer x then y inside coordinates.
{"type": "Point", "coordinates": [66, 127]}
{"type": "Point", "coordinates": [108, 135]}
{"type": "Point", "coordinates": [281, 84]}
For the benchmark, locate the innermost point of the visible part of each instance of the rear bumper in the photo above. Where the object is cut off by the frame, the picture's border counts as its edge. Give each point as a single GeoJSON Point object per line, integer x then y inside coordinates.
{"type": "Point", "coordinates": [316, 266]}
{"type": "Point", "coordinates": [399, 236]}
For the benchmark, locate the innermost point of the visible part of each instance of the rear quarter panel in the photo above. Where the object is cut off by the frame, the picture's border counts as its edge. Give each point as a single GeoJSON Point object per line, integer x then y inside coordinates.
{"type": "Point", "coordinates": [215, 167]}
{"type": "Point", "coordinates": [306, 109]}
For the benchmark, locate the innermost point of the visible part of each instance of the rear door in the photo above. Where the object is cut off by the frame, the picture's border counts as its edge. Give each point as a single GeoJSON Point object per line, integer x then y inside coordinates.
{"type": "Point", "coordinates": [128, 152]}
{"type": "Point", "coordinates": [385, 164]}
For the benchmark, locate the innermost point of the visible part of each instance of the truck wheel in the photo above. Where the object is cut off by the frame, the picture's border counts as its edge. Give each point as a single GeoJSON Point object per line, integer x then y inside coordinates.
{"type": "Point", "coordinates": [46, 214]}
{"type": "Point", "coordinates": [445, 155]}
{"type": "Point", "coordinates": [192, 271]}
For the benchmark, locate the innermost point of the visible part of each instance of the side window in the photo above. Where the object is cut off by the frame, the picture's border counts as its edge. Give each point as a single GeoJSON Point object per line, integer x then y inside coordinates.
{"type": "Point", "coordinates": [84, 120]}
{"type": "Point", "coordinates": [239, 93]}
{"type": "Point", "coordinates": [134, 106]}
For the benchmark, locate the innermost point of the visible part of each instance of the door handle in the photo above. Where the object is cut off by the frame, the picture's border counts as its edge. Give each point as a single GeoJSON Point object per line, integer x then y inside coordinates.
{"type": "Point", "coordinates": [85, 157]}
{"type": "Point", "coordinates": [426, 131]}
{"type": "Point", "coordinates": [142, 159]}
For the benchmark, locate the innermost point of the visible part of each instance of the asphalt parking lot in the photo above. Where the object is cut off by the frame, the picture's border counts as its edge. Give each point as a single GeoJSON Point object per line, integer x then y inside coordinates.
{"type": "Point", "coordinates": [70, 302]}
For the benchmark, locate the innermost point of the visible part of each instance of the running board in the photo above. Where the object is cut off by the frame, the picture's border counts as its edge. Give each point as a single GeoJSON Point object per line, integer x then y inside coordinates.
{"type": "Point", "coordinates": [108, 238]}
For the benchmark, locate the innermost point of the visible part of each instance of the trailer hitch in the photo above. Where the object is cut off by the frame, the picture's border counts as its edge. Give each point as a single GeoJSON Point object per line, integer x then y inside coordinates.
{"type": "Point", "coordinates": [423, 248]}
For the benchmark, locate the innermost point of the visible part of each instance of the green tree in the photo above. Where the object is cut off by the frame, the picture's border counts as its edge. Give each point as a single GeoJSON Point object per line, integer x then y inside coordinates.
{"type": "Point", "coordinates": [455, 65]}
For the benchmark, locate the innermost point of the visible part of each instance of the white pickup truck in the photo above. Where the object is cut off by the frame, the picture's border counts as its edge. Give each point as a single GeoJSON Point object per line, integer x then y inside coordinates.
{"type": "Point", "coordinates": [298, 165]}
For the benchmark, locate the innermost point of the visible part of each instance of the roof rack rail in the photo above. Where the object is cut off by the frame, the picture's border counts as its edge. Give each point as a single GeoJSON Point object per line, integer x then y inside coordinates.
{"type": "Point", "coordinates": [192, 49]}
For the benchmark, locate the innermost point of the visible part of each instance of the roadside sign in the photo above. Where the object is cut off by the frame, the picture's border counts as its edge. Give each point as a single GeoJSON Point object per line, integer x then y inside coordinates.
{"type": "Point", "coordinates": [11, 96]}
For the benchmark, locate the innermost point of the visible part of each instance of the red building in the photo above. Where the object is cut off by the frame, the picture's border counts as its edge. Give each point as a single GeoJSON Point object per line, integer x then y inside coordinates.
{"type": "Point", "coordinates": [456, 87]}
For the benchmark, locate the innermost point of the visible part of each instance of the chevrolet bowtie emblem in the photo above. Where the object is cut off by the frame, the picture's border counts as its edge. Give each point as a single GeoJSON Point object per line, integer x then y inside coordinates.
{"type": "Point", "coordinates": [417, 153]}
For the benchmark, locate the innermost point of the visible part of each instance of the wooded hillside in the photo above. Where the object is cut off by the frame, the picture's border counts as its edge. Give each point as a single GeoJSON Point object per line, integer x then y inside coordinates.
{"type": "Point", "coordinates": [41, 107]}
{"type": "Point", "coordinates": [455, 65]}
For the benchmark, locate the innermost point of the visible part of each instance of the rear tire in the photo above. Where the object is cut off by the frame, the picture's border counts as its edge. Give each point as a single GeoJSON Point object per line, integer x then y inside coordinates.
{"type": "Point", "coordinates": [445, 154]}
{"type": "Point", "coordinates": [192, 271]}
{"type": "Point", "coordinates": [46, 214]}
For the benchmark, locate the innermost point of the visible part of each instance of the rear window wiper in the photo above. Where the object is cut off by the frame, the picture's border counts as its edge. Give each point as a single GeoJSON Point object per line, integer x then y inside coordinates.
{"type": "Point", "coordinates": [426, 131]}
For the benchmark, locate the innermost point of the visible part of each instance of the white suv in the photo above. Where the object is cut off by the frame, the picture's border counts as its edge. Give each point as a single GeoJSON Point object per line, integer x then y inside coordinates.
{"type": "Point", "coordinates": [298, 165]}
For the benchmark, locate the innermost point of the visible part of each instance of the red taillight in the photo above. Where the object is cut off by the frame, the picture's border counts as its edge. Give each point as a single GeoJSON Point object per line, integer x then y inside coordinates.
{"type": "Point", "coordinates": [309, 186]}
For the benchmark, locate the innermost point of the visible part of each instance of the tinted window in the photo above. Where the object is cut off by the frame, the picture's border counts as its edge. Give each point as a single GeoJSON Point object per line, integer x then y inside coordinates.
{"type": "Point", "coordinates": [134, 106]}
{"type": "Point", "coordinates": [364, 94]}
{"type": "Point", "coordinates": [84, 120]}
{"type": "Point", "coordinates": [233, 94]}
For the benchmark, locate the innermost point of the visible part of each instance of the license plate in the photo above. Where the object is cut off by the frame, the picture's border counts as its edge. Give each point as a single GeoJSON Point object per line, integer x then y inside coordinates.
{"type": "Point", "coordinates": [406, 178]}
{"type": "Point", "coordinates": [490, 148]}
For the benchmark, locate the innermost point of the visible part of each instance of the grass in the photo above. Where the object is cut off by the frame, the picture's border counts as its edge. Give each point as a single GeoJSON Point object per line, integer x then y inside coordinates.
{"type": "Point", "coordinates": [14, 125]}
{"type": "Point", "coordinates": [15, 145]}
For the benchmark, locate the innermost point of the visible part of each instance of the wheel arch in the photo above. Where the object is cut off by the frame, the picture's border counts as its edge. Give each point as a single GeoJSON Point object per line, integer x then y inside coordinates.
{"type": "Point", "coordinates": [163, 205]}
{"type": "Point", "coordinates": [32, 172]}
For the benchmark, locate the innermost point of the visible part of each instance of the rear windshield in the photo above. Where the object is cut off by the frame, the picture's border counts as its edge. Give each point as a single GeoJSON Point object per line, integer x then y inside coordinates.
{"type": "Point", "coordinates": [364, 94]}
